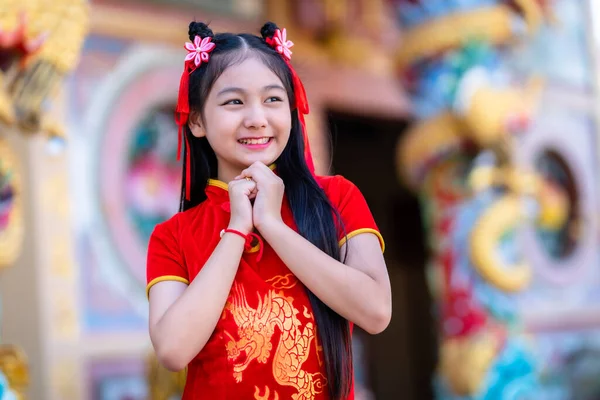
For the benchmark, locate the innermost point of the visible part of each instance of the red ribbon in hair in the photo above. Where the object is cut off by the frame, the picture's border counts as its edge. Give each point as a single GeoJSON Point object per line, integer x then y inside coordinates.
{"type": "Point", "coordinates": [281, 45]}
{"type": "Point", "coordinates": [198, 52]}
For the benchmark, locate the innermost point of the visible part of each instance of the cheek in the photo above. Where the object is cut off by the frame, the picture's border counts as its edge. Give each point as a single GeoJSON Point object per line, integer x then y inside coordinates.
{"type": "Point", "coordinates": [221, 123]}
{"type": "Point", "coordinates": [283, 123]}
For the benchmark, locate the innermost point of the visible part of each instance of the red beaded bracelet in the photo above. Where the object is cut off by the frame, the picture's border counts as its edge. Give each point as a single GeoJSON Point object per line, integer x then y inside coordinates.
{"type": "Point", "coordinates": [248, 238]}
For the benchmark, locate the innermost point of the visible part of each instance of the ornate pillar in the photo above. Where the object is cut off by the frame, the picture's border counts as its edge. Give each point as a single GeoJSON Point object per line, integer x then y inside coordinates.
{"type": "Point", "coordinates": [14, 375]}
{"type": "Point", "coordinates": [39, 45]}
{"type": "Point", "coordinates": [473, 107]}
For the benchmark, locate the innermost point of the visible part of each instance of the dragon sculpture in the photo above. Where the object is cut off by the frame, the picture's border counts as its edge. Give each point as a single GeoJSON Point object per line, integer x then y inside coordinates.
{"type": "Point", "coordinates": [458, 157]}
{"type": "Point", "coordinates": [39, 44]}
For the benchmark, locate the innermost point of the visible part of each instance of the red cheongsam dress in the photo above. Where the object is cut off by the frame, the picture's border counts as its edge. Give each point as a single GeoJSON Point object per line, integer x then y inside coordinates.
{"type": "Point", "coordinates": [265, 344]}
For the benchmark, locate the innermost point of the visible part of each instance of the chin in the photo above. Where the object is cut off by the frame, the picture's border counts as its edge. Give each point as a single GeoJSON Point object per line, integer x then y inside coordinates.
{"type": "Point", "coordinates": [264, 160]}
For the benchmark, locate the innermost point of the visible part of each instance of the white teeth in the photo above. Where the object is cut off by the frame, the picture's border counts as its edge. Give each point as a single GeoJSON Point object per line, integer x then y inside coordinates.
{"type": "Point", "coordinates": [254, 141]}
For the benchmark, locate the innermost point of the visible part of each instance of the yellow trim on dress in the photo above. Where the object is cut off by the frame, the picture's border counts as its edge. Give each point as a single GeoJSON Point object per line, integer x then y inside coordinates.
{"type": "Point", "coordinates": [364, 230]}
{"type": "Point", "coordinates": [218, 183]}
{"type": "Point", "coordinates": [165, 278]}
{"type": "Point", "coordinates": [253, 249]}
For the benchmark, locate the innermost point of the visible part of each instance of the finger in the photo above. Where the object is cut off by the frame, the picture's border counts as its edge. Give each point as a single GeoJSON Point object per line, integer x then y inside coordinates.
{"type": "Point", "coordinates": [259, 173]}
{"type": "Point", "coordinates": [249, 190]}
{"type": "Point", "coordinates": [254, 168]}
{"type": "Point", "coordinates": [254, 191]}
{"type": "Point", "coordinates": [237, 178]}
{"type": "Point", "coordinates": [241, 180]}
{"type": "Point", "coordinates": [262, 168]}
{"type": "Point", "coordinates": [261, 165]}
{"type": "Point", "coordinates": [247, 173]}
{"type": "Point", "coordinates": [252, 194]}
{"type": "Point", "coordinates": [246, 185]}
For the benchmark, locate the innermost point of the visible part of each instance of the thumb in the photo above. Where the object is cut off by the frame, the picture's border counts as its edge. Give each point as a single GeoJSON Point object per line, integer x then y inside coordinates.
{"type": "Point", "coordinates": [249, 187]}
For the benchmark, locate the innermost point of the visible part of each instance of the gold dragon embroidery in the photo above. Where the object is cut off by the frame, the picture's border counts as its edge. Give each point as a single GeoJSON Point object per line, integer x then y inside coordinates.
{"type": "Point", "coordinates": [255, 330]}
{"type": "Point", "coordinates": [257, 395]}
{"type": "Point", "coordinates": [287, 281]}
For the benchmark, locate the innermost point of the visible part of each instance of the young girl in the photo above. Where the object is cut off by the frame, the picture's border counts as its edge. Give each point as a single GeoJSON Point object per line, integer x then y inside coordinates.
{"type": "Point", "coordinates": [255, 284]}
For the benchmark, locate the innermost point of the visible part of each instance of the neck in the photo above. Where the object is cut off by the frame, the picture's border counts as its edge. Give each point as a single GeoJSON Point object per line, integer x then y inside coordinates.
{"type": "Point", "coordinates": [226, 173]}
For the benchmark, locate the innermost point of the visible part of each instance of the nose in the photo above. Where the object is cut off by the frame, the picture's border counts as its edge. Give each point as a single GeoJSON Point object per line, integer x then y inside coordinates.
{"type": "Point", "coordinates": [255, 117]}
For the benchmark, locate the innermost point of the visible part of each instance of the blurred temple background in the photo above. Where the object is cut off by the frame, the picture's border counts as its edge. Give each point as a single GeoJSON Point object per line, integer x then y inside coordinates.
{"type": "Point", "coordinates": [471, 127]}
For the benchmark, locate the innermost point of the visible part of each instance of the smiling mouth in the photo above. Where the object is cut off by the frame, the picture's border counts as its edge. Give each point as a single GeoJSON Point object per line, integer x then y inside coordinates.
{"type": "Point", "coordinates": [257, 141]}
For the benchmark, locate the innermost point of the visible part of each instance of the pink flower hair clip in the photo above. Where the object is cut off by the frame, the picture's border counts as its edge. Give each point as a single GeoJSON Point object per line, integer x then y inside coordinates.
{"type": "Point", "coordinates": [280, 43]}
{"type": "Point", "coordinates": [199, 50]}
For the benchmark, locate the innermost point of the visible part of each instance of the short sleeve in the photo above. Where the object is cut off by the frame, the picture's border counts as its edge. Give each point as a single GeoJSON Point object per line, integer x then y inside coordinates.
{"type": "Point", "coordinates": [164, 262]}
{"type": "Point", "coordinates": [354, 210]}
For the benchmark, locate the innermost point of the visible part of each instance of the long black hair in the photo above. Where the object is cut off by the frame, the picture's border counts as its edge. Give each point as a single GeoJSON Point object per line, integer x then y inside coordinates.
{"type": "Point", "coordinates": [317, 220]}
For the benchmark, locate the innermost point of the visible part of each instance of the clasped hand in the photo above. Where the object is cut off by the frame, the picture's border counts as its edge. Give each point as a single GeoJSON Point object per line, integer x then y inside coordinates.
{"type": "Point", "coordinates": [260, 183]}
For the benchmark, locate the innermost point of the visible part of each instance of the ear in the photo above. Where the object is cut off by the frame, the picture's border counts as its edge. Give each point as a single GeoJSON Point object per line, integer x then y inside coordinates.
{"type": "Point", "coordinates": [196, 125]}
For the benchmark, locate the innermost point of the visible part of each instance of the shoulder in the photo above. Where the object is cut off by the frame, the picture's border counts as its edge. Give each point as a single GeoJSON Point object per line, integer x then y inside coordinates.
{"type": "Point", "coordinates": [178, 222]}
{"type": "Point", "coordinates": [167, 230]}
{"type": "Point", "coordinates": [333, 184]}
{"type": "Point", "coordinates": [336, 187]}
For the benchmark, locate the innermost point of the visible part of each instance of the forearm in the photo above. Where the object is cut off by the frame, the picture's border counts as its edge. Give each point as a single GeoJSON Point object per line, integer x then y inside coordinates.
{"type": "Point", "coordinates": [350, 292]}
{"type": "Point", "coordinates": [187, 325]}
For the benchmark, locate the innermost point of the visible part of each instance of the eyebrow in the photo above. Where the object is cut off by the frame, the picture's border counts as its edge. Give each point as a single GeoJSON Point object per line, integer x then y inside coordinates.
{"type": "Point", "coordinates": [240, 90]}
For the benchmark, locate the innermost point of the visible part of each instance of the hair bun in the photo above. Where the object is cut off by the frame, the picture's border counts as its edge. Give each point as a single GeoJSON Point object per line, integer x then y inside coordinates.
{"type": "Point", "coordinates": [268, 30]}
{"type": "Point", "coordinates": [199, 29]}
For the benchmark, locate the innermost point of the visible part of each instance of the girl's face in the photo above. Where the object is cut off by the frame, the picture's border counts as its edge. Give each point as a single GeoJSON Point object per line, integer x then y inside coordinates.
{"type": "Point", "coordinates": [246, 118]}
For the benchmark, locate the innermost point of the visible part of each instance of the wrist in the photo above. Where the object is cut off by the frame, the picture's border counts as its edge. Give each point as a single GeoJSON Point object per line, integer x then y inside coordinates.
{"type": "Point", "coordinates": [245, 229]}
{"type": "Point", "coordinates": [247, 238]}
{"type": "Point", "coordinates": [270, 225]}
{"type": "Point", "coordinates": [234, 234]}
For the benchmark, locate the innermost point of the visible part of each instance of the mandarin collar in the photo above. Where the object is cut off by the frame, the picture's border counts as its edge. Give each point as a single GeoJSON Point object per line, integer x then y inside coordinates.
{"type": "Point", "coordinates": [216, 192]}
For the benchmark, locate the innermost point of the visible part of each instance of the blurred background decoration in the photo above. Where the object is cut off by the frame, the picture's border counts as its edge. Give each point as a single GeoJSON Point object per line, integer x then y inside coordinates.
{"type": "Point", "coordinates": [459, 156]}
{"type": "Point", "coordinates": [506, 177]}
{"type": "Point", "coordinates": [39, 46]}
{"type": "Point", "coordinates": [11, 206]}
{"type": "Point", "coordinates": [469, 125]}
{"type": "Point", "coordinates": [14, 376]}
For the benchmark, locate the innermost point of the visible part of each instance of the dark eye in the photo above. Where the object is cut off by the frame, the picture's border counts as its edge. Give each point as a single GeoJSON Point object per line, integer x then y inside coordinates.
{"type": "Point", "coordinates": [273, 99]}
{"type": "Point", "coordinates": [234, 102]}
